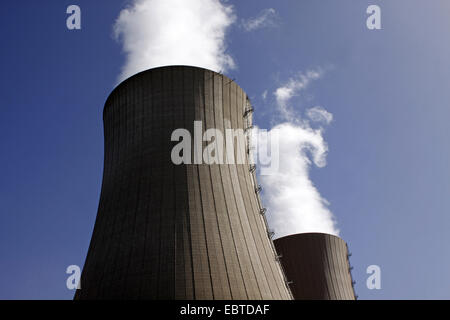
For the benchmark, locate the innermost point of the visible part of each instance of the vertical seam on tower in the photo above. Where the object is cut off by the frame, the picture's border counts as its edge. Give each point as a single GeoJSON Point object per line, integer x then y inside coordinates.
{"type": "Point", "coordinates": [129, 178]}
{"type": "Point", "coordinates": [234, 195]}
{"type": "Point", "coordinates": [201, 199]}
{"type": "Point", "coordinates": [114, 254]}
{"type": "Point", "coordinates": [223, 188]}
{"type": "Point", "coordinates": [130, 255]}
{"type": "Point", "coordinates": [150, 121]}
{"type": "Point", "coordinates": [242, 196]}
{"type": "Point", "coordinates": [110, 205]}
{"type": "Point", "coordinates": [114, 264]}
{"type": "Point", "coordinates": [162, 193]}
{"type": "Point", "coordinates": [329, 269]}
{"type": "Point", "coordinates": [212, 191]}
{"type": "Point", "coordinates": [188, 211]}
{"type": "Point", "coordinates": [174, 210]}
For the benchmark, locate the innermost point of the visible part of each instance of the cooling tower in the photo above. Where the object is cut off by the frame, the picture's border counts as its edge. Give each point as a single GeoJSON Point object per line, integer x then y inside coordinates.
{"type": "Point", "coordinates": [186, 231]}
{"type": "Point", "coordinates": [316, 264]}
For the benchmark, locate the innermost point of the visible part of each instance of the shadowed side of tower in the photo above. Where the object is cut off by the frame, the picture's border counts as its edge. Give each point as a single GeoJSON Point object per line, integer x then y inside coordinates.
{"type": "Point", "coordinates": [188, 231]}
{"type": "Point", "coordinates": [317, 266]}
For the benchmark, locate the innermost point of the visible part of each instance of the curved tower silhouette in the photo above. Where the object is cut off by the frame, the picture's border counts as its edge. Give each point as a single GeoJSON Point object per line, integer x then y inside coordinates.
{"type": "Point", "coordinates": [316, 264]}
{"type": "Point", "coordinates": [187, 231]}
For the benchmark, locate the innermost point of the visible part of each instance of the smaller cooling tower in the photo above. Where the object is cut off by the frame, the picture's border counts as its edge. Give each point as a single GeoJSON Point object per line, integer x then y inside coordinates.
{"type": "Point", "coordinates": [317, 266]}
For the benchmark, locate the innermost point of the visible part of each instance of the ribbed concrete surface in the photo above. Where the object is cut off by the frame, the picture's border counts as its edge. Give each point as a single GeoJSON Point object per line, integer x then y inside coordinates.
{"type": "Point", "coordinates": [317, 264]}
{"type": "Point", "coordinates": [176, 232]}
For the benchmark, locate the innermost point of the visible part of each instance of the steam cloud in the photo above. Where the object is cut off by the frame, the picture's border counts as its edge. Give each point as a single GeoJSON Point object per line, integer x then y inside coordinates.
{"type": "Point", "coordinates": [266, 18]}
{"type": "Point", "coordinates": [295, 205]}
{"type": "Point", "coordinates": [165, 32]}
{"type": "Point", "coordinates": [174, 32]}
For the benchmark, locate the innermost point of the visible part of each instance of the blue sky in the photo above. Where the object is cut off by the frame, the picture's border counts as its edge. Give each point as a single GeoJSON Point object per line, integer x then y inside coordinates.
{"type": "Point", "coordinates": [387, 177]}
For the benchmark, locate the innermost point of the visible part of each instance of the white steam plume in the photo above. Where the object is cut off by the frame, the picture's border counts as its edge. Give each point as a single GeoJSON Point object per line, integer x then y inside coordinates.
{"type": "Point", "coordinates": [319, 114]}
{"type": "Point", "coordinates": [192, 32]}
{"type": "Point", "coordinates": [174, 32]}
{"type": "Point", "coordinates": [266, 18]}
{"type": "Point", "coordinates": [294, 203]}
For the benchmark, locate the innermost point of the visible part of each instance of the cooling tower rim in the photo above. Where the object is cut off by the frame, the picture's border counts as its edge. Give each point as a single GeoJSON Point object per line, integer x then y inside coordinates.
{"type": "Point", "coordinates": [139, 74]}
{"type": "Point", "coordinates": [299, 235]}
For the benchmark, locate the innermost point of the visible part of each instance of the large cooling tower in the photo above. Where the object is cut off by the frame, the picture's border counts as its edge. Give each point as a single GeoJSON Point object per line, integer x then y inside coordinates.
{"type": "Point", "coordinates": [317, 266]}
{"type": "Point", "coordinates": [188, 231]}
